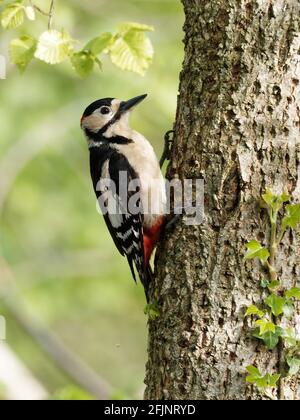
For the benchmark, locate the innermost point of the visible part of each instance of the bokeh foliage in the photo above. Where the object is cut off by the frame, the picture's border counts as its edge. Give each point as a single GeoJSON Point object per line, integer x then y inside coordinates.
{"type": "Point", "coordinates": [65, 266]}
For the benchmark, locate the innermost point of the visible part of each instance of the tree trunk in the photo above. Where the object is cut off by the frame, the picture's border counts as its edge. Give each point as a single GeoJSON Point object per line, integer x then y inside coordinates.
{"type": "Point", "coordinates": [238, 129]}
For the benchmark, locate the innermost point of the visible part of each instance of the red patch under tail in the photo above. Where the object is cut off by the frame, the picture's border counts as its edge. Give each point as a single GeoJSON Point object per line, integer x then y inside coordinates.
{"type": "Point", "coordinates": [151, 238]}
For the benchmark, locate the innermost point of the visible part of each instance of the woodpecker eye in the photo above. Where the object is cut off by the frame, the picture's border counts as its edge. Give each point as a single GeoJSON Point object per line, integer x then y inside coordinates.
{"type": "Point", "coordinates": [105, 110]}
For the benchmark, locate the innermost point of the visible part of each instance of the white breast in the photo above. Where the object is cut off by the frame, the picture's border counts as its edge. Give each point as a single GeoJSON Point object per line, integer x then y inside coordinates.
{"type": "Point", "coordinates": [142, 158]}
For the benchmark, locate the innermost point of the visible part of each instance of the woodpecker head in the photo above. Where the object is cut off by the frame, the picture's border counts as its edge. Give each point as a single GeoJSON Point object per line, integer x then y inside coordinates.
{"type": "Point", "coordinates": [105, 116]}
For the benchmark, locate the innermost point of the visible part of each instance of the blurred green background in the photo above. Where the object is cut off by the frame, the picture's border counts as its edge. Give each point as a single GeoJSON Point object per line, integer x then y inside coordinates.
{"type": "Point", "coordinates": [58, 262]}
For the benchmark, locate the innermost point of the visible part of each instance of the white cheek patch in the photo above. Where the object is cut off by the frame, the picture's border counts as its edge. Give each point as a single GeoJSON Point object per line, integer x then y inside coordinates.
{"type": "Point", "coordinates": [94, 122]}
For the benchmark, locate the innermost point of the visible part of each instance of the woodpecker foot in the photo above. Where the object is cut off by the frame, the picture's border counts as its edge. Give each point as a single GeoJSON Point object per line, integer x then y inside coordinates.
{"type": "Point", "coordinates": [167, 148]}
{"type": "Point", "coordinates": [170, 225]}
{"type": "Point", "coordinates": [181, 212]}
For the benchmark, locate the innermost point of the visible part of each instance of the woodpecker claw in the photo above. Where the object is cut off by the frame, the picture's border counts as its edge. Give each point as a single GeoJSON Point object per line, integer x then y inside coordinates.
{"type": "Point", "coordinates": [170, 225]}
{"type": "Point", "coordinates": [167, 148]}
{"type": "Point", "coordinates": [179, 212]}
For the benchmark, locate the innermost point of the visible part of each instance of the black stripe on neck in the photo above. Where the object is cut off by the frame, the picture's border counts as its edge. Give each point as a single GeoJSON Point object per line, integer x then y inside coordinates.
{"type": "Point", "coordinates": [99, 138]}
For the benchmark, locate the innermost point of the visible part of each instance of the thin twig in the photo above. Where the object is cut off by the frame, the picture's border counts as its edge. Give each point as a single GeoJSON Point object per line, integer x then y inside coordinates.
{"type": "Point", "coordinates": [51, 13]}
{"type": "Point", "coordinates": [38, 9]}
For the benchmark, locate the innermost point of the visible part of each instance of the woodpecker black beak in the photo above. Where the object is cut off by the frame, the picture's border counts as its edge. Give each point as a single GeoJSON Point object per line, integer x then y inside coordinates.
{"type": "Point", "coordinates": [126, 106]}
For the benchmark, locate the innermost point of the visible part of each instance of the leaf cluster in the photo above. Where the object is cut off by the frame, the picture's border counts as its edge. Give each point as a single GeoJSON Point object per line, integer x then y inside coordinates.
{"type": "Point", "coordinates": [129, 48]}
{"type": "Point", "coordinates": [270, 321]}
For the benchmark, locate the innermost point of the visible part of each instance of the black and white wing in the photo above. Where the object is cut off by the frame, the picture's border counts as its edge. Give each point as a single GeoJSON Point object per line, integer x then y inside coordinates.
{"type": "Point", "coordinates": [125, 228]}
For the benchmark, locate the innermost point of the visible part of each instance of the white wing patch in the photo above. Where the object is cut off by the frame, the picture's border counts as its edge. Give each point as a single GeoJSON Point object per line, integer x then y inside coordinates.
{"type": "Point", "coordinates": [116, 220]}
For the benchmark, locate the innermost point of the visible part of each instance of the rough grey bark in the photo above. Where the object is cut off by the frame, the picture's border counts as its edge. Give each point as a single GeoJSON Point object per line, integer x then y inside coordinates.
{"type": "Point", "coordinates": [237, 128]}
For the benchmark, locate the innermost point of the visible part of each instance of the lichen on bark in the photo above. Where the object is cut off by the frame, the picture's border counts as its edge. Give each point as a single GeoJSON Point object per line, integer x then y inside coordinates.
{"type": "Point", "coordinates": [237, 127]}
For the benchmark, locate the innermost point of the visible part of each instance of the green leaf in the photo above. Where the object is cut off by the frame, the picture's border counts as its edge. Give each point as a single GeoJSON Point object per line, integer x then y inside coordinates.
{"type": "Point", "coordinates": [265, 326]}
{"type": "Point", "coordinates": [253, 310]}
{"type": "Point", "coordinates": [269, 198]}
{"type": "Point", "coordinates": [270, 340]}
{"type": "Point", "coordinates": [13, 15]}
{"type": "Point", "coordinates": [256, 250]}
{"type": "Point", "coordinates": [264, 283]}
{"type": "Point", "coordinates": [285, 197]}
{"type": "Point", "coordinates": [288, 309]}
{"type": "Point", "coordinates": [256, 377]}
{"type": "Point", "coordinates": [256, 333]}
{"type": "Point", "coordinates": [260, 380]}
{"type": "Point", "coordinates": [293, 293]}
{"type": "Point", "coordinates": [292, 217]}
{"type": "Point", "coordinates": [254, 371]}
{"type": "Point", "coordinates": [276, 303]}
{"type": "Point", "coordinates": [294, 365]}
{"type": "Point", "coordinates": [30, 13]}
{"type": "Point", "coordinates": [22, 51]}
{"type": "Point", "coordinates": [152, 311]}
{"type": "Point", "coordinates": [275, 202]}
{"type": "Point", "coordinates": [99, 44]}
{"type": "Point", "coordinates": [274, 285]}
{"type": "Point", "coordinates": [83, 62]}
{"type": "Point", "coordinates": [289, 336]}
{"type": "Point", "coordinates": [127, 26]}
{"type": "Point", "coordinates": [268, 333]}
{"type": "Point", "coordinates": [54, 47]}
{"type": "Point", "coordinates": [132, 51]}
{"type": "Point", "coordinates": [272, 379]}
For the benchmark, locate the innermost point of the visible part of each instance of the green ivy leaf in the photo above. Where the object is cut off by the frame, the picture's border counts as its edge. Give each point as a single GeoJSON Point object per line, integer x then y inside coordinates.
{"type": "Point", "coordinates": [294, 365]}
{"type": "Point", "coordinates": [288, 309]}
{"type": "Point", "coordinates": [265, 326]}
{"type": "Point", "coordinates": [260, 380]}
{"type": "Point", "coordinates": [276, 303]}
{"type": "Point", "coordinates": [152, 311]}
{"type": "Point", "coordinates": [131, 49]}
{"type": "Point", "coordinates": [22, 51]}
{"type": "Point", "coordinates": [254, 371]}
{"type": "Point", "coordinates": [253, 310]}
{"type": "Point", "coordinates": [256, 250]}
{"type": "Point", "coordinates": [274, 285]}
{"type": "Point", "coordinates": [83, 62]}
{"type": "Point", "coordinates": [54, 47]}
{"type": "Point", "coordinates": [271, 339]}
{"type": "Point", "coordinates": [292, 217]}
{"type": "Point", "coordinates": [272, 379]}
{"type": "Point", "coordinates": [289, 336]}
{"type": "Point", "coordinates": [13, 15]}
{"type": "Point", "coordinates": [275, 202]}
{"type": "Point", "coordinates": [269, 198]}
{"type": "Point", "coordinates": [255, 377]}
{"type": "Point", "coordinates": [293, 293]}
{"type": "Point", "coordinates": [99, 44]}
{"type": "Point", "coordinates": [264, 283]}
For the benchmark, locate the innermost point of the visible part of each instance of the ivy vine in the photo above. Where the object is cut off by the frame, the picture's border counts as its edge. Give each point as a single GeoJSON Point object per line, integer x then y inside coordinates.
{"type": "Point", "coordinates": [272, 321]}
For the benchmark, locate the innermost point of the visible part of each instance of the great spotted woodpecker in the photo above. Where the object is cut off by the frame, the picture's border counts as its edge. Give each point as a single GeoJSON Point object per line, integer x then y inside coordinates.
{"type": "Point", "coordinates": [116, 149]}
